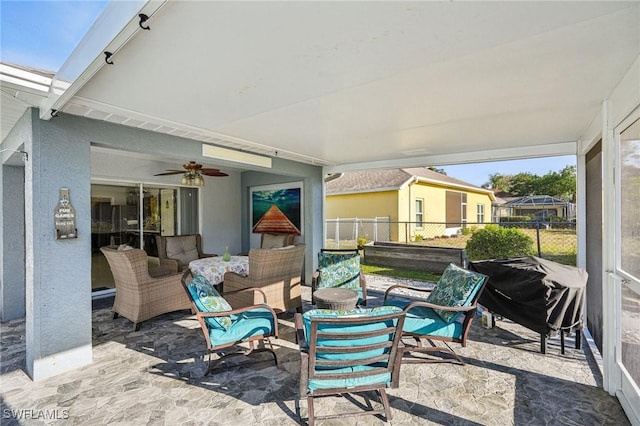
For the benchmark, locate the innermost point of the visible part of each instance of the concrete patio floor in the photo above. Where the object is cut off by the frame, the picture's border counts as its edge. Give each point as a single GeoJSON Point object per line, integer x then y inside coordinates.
{"type": "Point", "coordinates": [156, 377]}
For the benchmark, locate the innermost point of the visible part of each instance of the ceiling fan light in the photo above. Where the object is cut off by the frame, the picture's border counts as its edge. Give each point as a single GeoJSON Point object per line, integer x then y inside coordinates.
{"type": "Point", "coordinates": [185, 179]}
{"type": "Point", "coordinates": [198, 180]}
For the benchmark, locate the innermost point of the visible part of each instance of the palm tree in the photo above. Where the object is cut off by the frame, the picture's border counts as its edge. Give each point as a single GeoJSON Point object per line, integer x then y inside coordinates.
{"type": "Point", "coordinates": [498, 182]}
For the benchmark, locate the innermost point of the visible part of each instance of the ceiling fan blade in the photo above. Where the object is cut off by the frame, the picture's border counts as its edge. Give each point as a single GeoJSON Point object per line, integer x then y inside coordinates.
{"type": "Point", "coordinates": [170, 172]}
{"type": "Point", "coordinates": [212, 172]}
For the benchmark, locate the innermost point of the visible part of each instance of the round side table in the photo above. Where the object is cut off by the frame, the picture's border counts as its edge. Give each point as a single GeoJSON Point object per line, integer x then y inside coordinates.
{"type": "Point", "coordinates": [337, 299]}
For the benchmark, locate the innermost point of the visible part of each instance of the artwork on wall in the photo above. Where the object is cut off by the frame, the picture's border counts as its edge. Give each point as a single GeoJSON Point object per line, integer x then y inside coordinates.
{"type": "Point", "coordinates": [276, 209]}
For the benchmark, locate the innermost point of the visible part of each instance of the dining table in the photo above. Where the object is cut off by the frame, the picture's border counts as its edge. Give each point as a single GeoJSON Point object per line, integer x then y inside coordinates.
{"type": "Point", "coordinates": [214, 268]}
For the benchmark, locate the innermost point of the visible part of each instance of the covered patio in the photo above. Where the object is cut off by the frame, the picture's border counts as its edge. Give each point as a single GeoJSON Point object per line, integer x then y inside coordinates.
{"type": "Point", "coordinates": [156, 376]}
{"type": "Point", "coordinates": [283, 93]}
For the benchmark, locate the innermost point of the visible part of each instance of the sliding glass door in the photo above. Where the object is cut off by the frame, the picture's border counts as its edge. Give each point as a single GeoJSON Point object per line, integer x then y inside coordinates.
{"type": "Point", "coordinates": [627, 274]}
{"type": "Point", "coordinates": [133, 215]}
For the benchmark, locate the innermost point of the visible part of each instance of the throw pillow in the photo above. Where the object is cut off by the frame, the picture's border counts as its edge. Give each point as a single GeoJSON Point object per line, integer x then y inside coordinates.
{"type": "Point", "coordinates": [207, 299]}
{"type": "Point", "coordinates": [456, 287]}
{"type": "Point", "coordinates": [182, 248]}
{"type": "Point", "coordinates": [270, 241]}
{"type": "Point", "coordinates": [339, 270]}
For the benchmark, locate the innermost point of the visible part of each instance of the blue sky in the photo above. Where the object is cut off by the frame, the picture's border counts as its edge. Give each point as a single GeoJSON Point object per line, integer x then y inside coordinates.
{"type": "Point", "coordinates": [42, 34]}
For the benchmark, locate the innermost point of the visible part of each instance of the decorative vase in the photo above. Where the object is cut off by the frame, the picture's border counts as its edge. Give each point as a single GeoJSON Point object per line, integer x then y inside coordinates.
{"type": "Point", "coordinates": [226, 256]}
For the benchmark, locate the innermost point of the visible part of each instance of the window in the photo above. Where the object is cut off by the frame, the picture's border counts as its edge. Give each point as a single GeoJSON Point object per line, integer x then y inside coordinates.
{"type": "Point", "coordinates": [464, 208]}
{"type": "Point", "coordinates": [480, 213]}
{"type": "Point", "coordinates": [419, 212]}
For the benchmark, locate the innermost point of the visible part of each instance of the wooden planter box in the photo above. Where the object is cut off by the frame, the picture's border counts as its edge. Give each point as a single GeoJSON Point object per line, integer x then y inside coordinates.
{"type": "Point", "coordinates": [409, 256]}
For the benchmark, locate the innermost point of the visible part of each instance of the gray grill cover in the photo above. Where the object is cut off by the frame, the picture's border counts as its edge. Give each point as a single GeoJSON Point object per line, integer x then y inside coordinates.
{"type": "Point", "coordinates": [539, 294]}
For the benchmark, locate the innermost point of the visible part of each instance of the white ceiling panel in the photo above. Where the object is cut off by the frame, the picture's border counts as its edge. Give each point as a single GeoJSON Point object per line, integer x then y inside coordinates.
{"type": "Point", "coordinates": [352, 82]}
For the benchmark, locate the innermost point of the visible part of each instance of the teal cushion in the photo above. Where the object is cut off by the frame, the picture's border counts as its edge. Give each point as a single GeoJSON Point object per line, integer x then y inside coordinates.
{"type": "Point", "coordinates": [350, 329]}
{"type": "Point", "coordinates": [313, 384]}
{"type": "Point", "coordinates": [207, 299]}
{"type": "Point", "coordinates": [355, 312]}
{"type": "Point", "coordinates": [424, 321]}
{"type": "Point", "coordinates": [256, 322]}
{"type": "Point", "coordinates": [339, 270]}
{"type": "Point", "coordinates": [456, 287]}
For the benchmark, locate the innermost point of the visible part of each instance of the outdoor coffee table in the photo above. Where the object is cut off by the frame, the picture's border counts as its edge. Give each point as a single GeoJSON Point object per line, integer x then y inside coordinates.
{"type": "Point", "coordinates": [337, 299]}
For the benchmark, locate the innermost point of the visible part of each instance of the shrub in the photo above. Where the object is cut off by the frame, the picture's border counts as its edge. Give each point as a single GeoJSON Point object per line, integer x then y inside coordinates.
{"type": "Point", "coordinates": [494, 242]}
{"type": "Point", "coordinates": [465, 230]}
{"type": "Point", "coordinates": [418, 237]}
{"type": "Point", "coordinates": [362, 241]}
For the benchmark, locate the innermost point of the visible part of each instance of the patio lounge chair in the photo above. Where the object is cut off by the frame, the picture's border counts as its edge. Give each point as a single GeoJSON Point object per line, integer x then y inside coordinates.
{"type": "Point", "coordinates": [224, 327]}
{"type": "Point", "coordinates": [446, 315]}
{"type": "Point", "coordinates": [340, 268]}
{"type": "Point", "coordinates": [140, 296]}
{"type": "Point", "coordinates": [348, 352]}
{"type": "Point", "coordinates": [177, 251]}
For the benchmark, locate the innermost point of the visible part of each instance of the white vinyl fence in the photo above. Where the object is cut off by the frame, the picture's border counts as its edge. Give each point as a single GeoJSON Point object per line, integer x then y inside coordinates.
{"type": "Point", "coordinates": [349, 230]}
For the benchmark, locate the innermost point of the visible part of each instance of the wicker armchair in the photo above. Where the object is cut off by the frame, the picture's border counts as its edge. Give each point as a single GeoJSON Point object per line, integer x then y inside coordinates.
{"type": "Point", "coordinates": [139, 296]}
{"type": "Point", "coordinates": [175, 252]}
{"type": "Point", "coordinates": [277, 272]}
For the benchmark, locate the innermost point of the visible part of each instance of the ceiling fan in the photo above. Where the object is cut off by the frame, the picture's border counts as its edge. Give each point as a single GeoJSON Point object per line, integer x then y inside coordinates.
{"type": "Point", "coordinates": [192, 173]}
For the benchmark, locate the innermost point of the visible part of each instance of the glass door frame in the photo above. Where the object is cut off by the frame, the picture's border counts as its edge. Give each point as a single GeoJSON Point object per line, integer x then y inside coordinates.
{"type": "Point", "coordinates": [620, 381]}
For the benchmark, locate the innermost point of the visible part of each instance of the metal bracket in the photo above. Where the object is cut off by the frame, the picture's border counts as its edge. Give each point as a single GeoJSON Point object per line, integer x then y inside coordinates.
{"type": "Point", "coordinates": [143, 19]}
{"type": "Point", "coordinates": [54, 113]}
{"type": "Point", "coordinates": [25, 154]}
{"type": "Point", "coordinates": [107, 58]}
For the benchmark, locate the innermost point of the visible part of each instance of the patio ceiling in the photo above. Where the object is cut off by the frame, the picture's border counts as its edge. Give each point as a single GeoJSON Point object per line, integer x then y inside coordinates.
{"type": "Point", "coordinates": [339, 83]}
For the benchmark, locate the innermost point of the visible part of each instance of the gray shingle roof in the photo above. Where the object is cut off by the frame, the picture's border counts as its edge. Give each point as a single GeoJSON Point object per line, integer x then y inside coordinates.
{"type": "Point", "coordinates": [389, 179]}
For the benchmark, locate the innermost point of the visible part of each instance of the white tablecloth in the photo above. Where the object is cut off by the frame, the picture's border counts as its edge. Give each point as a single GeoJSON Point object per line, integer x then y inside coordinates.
{"type": "Point", "coordinates": [214, 268]}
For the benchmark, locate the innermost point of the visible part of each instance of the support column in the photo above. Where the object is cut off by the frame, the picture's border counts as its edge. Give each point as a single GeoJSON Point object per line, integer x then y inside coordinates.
{"type": "Point", "coordinates": [58, 272]}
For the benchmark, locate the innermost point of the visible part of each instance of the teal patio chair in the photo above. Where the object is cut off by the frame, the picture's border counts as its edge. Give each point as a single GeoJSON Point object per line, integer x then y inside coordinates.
{"type": "Point", "coordinates": [350, 351]}
{"type": "Point", "coordinates": [445, 315]}
{"type": "Point", "coordinates": [224, 327]}
{"type": "Point", "coordinates": [340, 268]}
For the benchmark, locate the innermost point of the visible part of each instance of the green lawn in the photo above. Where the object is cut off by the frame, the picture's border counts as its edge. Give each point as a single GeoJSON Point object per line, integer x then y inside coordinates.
{"type": "Point", "coordinates": [400, 273]}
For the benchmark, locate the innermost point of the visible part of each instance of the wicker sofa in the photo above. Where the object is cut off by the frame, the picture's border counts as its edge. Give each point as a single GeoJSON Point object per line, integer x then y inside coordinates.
{"type": "Point", "coordinates": [277, 272]}
{"type": "Point", "coordinates": [139, 296]}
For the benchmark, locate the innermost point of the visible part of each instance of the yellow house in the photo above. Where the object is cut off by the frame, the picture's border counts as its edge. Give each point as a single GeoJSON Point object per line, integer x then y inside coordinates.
{"type": "Point", "coordinates": [418, 202]}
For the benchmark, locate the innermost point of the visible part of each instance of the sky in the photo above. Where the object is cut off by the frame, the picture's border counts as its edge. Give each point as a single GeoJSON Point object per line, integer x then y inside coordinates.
{"type": "Point", "coordinates": [42, 34]}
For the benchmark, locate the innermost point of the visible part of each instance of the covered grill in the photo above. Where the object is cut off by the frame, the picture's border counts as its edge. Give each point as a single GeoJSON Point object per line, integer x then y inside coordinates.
{"type": "Point", "coordinates": [539, 294]}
